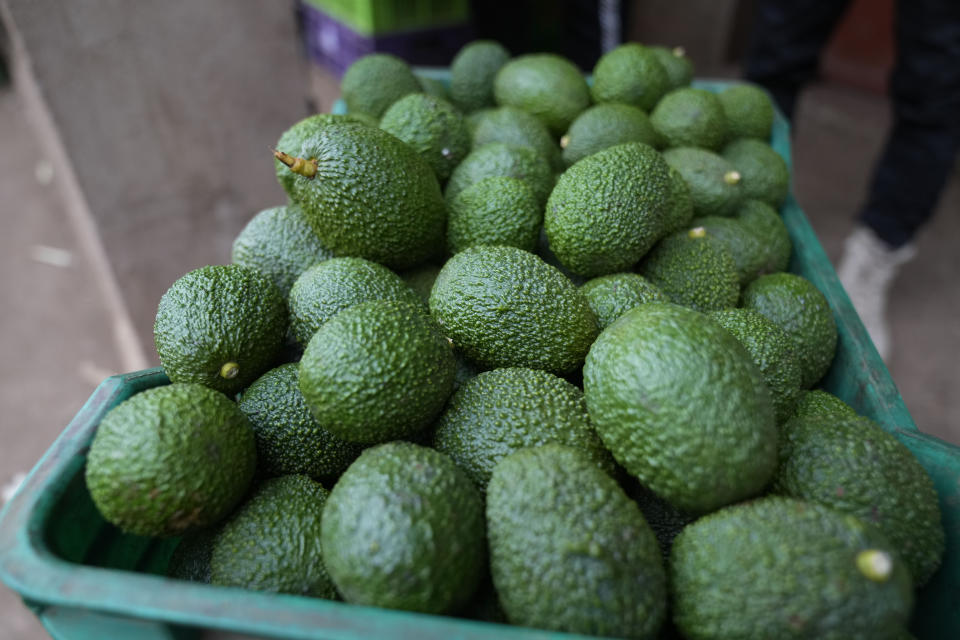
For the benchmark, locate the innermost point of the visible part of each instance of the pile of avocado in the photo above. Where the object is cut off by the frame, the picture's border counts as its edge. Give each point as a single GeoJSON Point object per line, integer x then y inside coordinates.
{"type": "Point", "coordinates": [524, 349]}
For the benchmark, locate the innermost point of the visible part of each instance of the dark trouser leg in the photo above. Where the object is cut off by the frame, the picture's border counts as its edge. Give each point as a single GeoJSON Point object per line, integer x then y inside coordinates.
{"type": "Point", "coordinates": [923, 144]}
{"type": "Point", "coordinates": [785, 45]}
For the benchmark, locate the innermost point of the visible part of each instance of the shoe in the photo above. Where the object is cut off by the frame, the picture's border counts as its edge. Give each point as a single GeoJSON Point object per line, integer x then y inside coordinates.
{"type": "Point", "coordinates": [866, 271]}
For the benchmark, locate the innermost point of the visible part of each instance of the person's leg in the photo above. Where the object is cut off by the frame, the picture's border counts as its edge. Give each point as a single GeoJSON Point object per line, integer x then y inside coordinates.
{"type": "Point", "coordinates": [785, 45]}
{"type": "Point", "coordinates": [916, 161]}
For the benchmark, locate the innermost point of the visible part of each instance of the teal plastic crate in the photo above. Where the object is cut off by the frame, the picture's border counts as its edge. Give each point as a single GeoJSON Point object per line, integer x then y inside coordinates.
{"type": "Point", "coordinates": [84, 579]}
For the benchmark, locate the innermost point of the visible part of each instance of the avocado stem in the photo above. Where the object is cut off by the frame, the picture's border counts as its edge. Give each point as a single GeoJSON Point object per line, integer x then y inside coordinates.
{"type": "Point", "coordinates": [229, 370]}
{"type": "Point", "coordinates": [305, 168]}
{"type": "Point", "coordinates": [697, 232]}
{"type": "Point", "coordinates": [875, 565]}
{"type": "Point", "coordinates": [679, 52]}
{"type": "Point", "coordinates": [564, 141]}
{"type": "Point", "coordinates": [731, 177]}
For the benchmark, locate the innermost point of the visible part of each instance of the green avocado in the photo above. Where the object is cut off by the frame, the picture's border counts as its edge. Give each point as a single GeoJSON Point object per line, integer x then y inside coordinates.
{"type": "Point", "coordinates": [606, 125]}
{"type": "Point", "coordinates": [614, 294]}
{"type": "Point", "coordinates": [713, 182]}
{"type": "Point", "coordinates": [679, 209]}
{"type": "Point", "coordinates": [472, 72]}
{"type": "Point", "coordinates": [664, 376]}
{"type": "Point", "coordinates": [607, 210]}
{"type": "Point", "coordinates": [783, 568]}
{"type": "Point", "coordinates": [502, 160]}
{"type": "Point", "coordinates": [630, 74]}
{"type": "Point", "coordinates": [272, 543]}
{"type": "Point", "coordinates": [403, 529]}
{"type": "Point", "coordinates": [374, 82]}
{"type": "Point", "coordinates": [764, 173]}
{"type": "Point", "coordinates": [498, 412]}
{"type": "Point", "coordinates": [221, 326]}
{"type": "Point", "coordinates": [516, 127]}
{"type": "Point", "coordinates": [675, 62]}
{"type": "Point", "coordinates": [749, 111]}
{"type": "Point", "coordinates": [690, 117]}
{"type": "Point", "coordinates": [291, 140]}
{"type": "Point", "coordinates": [546, 85]}
{"type": "Point", "coordinates": [432, 127]}
{"type": "Point", "coordinates": [743, 245]}
{"type": "Point", "coordinates": [170, 460]}
{"type": "Point", "coordinates": [498, 210]}
{"type": "Point", "coordinates": [378, 371]}
{"type": "Point", "coordinates": [817, 402]}
{"type": "Point", "coordinates": [505, 307]}
{"type": "Point", "coordinates": [767, 225]}
{"type": "Point", "coordinates": [569, 551]}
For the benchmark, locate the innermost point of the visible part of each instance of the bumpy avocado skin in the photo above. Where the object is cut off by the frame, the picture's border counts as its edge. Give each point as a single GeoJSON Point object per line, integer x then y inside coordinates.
{"type": "Point", "coordinates": [378, 371]}
{"type": "Point", "coordinates": [403, 529]}
{"type": "Point", "coordinates": [743, 245]}
{"type": "Point", "coordinates": [664, 376]}
{"type": "Point", "coordinates": [630, 74]}
{"type": "Point", "coordinates": [679, 210]}
{"type": "Point", "coordinates": [606, 125]}
{"type": "Point", "coordinates": [272, 543]}
{"type": "Point", "coordinates": [498, 210]}
{"type": "Point", "coordinates": [325, 290]}
{"type": "Point", "coordinates": [764, 222]}
{"type": "Point", "coordinates": [289, 439]}
{"type": "Point", "coordinates": [374, 82]}
{"type": "Point", "coordinates": [714, 186]}
{"type": "Point", "coordinates": [500, 411]}
{"type": "Point", "coordinates": [800, 309]}
{"type": "Point", "coordinates": [678, 66]}
{"type": "Point", "coordinates": [607, 210]}
{"type": "Point", "coordinates": [170, 460]}
{"type": "Point", "coordinates": [547, 85]}
{"type": "Point", "coordinates": [500, 159]}
{"type": "Point", "coordinates": [693, 271]}
{"type": "Point", "coordinates": [783, 568]}
{"type": "Point", "coordinates": [749, 111]}
{"type": "Point", "coordinates": [291, 140]}
{"type": "Point", "coordinates": [772, 351]}
{"type": "Point", "coordinates": [190, 560]}
{"type": "Point", "coordinates": [217, 315]}
{"type": "Point", "coordinates": [765, 175]}
{"type": "Point", "coordinates": [279, 243]}
{"type": "Point", "coordinates": [505, 307]}
{"type": "Point", "coordinates": [372, 196]}
{"type": "Point", "coordinates": [569, 551]}
{"type": "Point", "coordinates": [514, 126]}
{"type": "Point", "coordinates": [472, 72]}
{"type": "Point", "coordinates": [614, 294]}
{"type": "Point", "coordinates": [817, 402]}
{"type": "Point", "coordinates": [854, 466]}
{"type": "Point", "coordinates": [432, 127]}
{"type": "Point", "coordinates": [690, 117]}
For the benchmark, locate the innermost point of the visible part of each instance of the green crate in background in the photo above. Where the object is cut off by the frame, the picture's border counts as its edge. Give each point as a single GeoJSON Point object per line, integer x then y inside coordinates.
{"type": "Point", "coordinates": [84, 579]}
{"type": "Point", "coordinates": [376, 17]}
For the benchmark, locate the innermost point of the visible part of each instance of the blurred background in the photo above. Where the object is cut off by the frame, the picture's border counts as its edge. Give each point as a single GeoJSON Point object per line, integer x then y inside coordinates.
{"type": "Point", "coordinates": [135, 143]}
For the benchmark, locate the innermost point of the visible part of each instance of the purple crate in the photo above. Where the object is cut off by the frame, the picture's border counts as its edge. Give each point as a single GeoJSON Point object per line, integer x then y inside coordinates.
{"type": "Point", "coordinates": [335, 45]}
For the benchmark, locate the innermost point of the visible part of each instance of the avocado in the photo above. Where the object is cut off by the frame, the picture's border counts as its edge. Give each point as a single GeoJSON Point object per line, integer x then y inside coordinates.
{"type": "Point", "coordinates": [664, 376]}
{"type": "Point", "coordinates": [569, 551]}
{"type": "Point", "coordinates": [853, 466]}
{"type": "Point", "coordinates": [748, 110]}
{"type": "Point", "coordinates": [764, 174]}
{"type": "Point", "coordinates": [498, 210]}
{"type": "Point", "coordinates": [374, 82]}
{"type": "Point", "coordinates": [817, 403]}
{"type": "Point", "coordinates": [432, 127]}
{"type": "Point", "coordinates": [614, 294]}
{"type": "Point", "coordinates": [190, 559]}
{"type": "Point", "coordinates": [742, 244]}
{"type": "Point", "coordinates": [403, 529]}
{"type": "Point", "coordinates": [170, 460]}
{"type": "Point", "coordinates": [279, 243]}
{"type": "Point", "coordinates": [675, 62]}
{"type": "Point", "coordinates": [800, 309]}
{"type": "Point", "coordinates": [221, 326]}
{"type": "Point", "coordinates": [767, 225]}
{"type": "Point", "coordinates": [546, 85]}
{"type": "Point", "coordinates": [714, 183]}
{"type": "Point", "coordinates": [679, 210]}
{"type": "Point", "coordinates": [772, 351]}
{"type": "Point", "coordinates": [783, 568]}
{"type": "Point", "coordinates": [693, 269]}
{"type": "Point", "coordinates": [472, 72]}
{"type": "Point", "coordinates": [606, 125]}
{"type": "Point", "coordinates": [505, 307]}
{"type": "Point", "coordinates": [607, 210]}
{"type": "Point", "coordinates": [502, 160]}
{"type": "Point", "coordinates": [421, 280]}
{"type": "Point", "coordinates": [325, 290]}
{"type": "Point", "coordinates": [272, 543]}
{"type": "Point", "coordinates": [516, 127]}
{"type": "Point", "coordinates": [630, 74]}
{"type": "Point", "coordinates": [289, 439]}
{"type": "Point", "coordinates": [377, 371]}
{"type": "Point", "coordinates": [498, 412]}
{"type": "Point", "coordinates": [690, 117]}
{"type": "Point", "coordinates": [292, 139]}
{"type": "Point", "coordinates": [369, 195]}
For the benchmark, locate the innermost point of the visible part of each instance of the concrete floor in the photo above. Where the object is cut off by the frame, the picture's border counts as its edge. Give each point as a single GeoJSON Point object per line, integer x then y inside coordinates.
{"type": "Point", "coordinates": [57, 343]}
